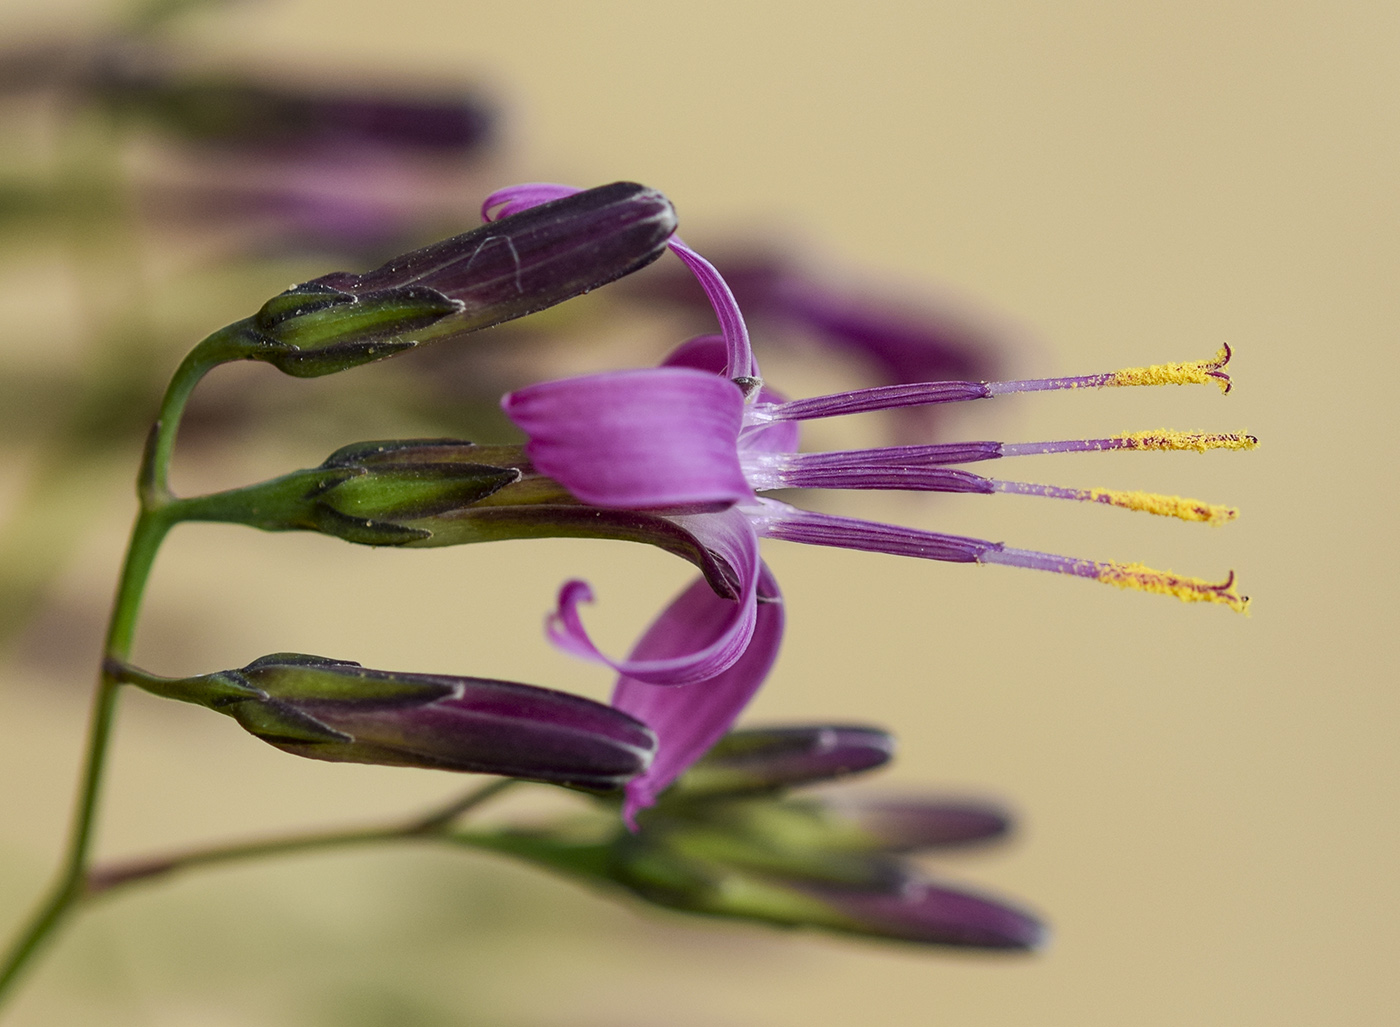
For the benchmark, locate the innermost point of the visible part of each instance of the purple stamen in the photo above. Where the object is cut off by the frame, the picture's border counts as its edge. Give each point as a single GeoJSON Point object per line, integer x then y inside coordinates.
{"type": "Point", "coordinates": [1085, 381]}
{"type": "Point", "coordinates": [882, 397]}
{"type": "Point", "coordinates": [890, 397]}
{"type": "Point", "coordinates": [780, 521]}
{"type": "Point", "coordinates": [1030, 559]}
{"type": "Point", "coordinates": [898, 467]}
{"type": "Point", "coordinates": [1027, 488]}
{"type": "Point", "coordinates": [1069, 446]}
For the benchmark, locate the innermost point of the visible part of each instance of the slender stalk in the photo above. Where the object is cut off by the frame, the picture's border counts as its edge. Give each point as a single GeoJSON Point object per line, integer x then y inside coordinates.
{"type": "Point", "coordinates": [153, 483]}
{"type": "Point", "coordinates": [146, 537]}
{"type": "Point", "coordinates": [152, 524]}
{"type": "Point", "coordinates": [104, 879]}
{"type": "Point", "coordinates": [445, 817]}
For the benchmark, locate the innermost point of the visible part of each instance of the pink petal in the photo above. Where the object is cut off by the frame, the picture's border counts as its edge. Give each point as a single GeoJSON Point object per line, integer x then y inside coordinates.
{"type": "Point", "coordinates": [655, 438]}
{"type": "Point", "coordinates": [739, 360]}
{"type": "Point", "coordinates": [710, 353]}
{"type": "Point", "coordinates": [689, 719]}
{"type": "Point", "coordinates": [715, 649]}
{"type": "Point", "coordinates": [513, 199]}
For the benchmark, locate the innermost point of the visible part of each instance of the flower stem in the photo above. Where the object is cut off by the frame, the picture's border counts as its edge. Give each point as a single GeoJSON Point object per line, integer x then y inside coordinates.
{"type": "Point", "coordinates": [434, 825]}
{"type": "Point", "coordinates": [152, 524]}
{"type": "Point", "coordinates": [146, 537]}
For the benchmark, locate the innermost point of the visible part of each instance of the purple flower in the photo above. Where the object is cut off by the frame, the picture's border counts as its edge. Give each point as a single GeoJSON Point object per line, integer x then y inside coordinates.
{"type": "Point", "coordinates": [897, 340]}
{"type": "Point", "coordinates": [698, 440]}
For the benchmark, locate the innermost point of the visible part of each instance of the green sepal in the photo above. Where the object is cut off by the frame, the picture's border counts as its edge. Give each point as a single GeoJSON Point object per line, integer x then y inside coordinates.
{"type": "Point", "coordinates": [216, 691]}
{"type": "Point", "coordinates": [668, 878]}
{"type": "Point", "coordinates": [394, 451]}
{"type": "Point", "coordinates": [362, 493]}
{"type": "Point", "coordinates": [340, 357]}
{"type": "Point", "coordinates": [279, 724]}
{"type": "Point", "coordinates": [363, 531]}
{"type": "Point", "coordinates": [788, 840]}
{"type": "Point", "coordinates": [315, 317]}
{"type": "Point", "coordinates": [409, 492]}
{"type": "Point", "coordinates": [296, 677]}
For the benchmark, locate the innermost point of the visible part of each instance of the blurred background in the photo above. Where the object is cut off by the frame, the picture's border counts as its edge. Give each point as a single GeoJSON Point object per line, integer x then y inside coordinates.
{"type": "Point", "coordinates": [1206, 801]}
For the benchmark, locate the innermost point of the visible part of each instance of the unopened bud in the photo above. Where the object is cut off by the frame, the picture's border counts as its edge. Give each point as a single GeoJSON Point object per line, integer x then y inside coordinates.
{"type": "Point", "coordinates": [770, 759]}
{"type": "Point", "coordinates": [915, 824]}
{"type": "Point", "coordinates": [816, 862]}
{"type": "Point", "coordinates": [342, 712]}
{"type": "Point", "coordinates": [232, 112]}
{"type": "Point", "coordinates": [495, 273]}
{"type": "Point", "coordinates": [912, 908]}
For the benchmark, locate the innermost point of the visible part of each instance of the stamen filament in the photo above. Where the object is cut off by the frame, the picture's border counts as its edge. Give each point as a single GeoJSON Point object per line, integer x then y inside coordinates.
{"type": "Point", "coordinates": [1196, 372]}
{"type": "Point", "coordinates": [889, 397]}
{"type": "Point", "coordinates": [1146, 502]}
{"type": "Point", "coordinates": [914, 469]}
{"type": "Point", "coordinates": [1126, 575]}
{"type": "Point", "coordinates": [881, 397]}
{"type": "Point", "coordinates": [778, 520]}
{"type": "Point", "coordinates": [1162, 439]}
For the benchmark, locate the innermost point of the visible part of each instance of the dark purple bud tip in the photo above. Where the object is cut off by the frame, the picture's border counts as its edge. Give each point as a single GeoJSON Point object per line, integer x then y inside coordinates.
{"type": "Point", "coordinates": [768, 759]}
{"type": "Point", "coordinates": [500, 271]}
{"type": "Point", "coordinates": [913, 824]}
{"type": "Point", "coordinates": [929, 914]}
{"type": "Point", "coordinates": [342, 712]}
{"type": "Point", "coordinates": [531, 260]}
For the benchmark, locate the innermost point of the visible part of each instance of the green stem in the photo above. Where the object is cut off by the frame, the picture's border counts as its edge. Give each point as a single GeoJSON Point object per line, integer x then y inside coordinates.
{"type": "Point", "coordinates": [225, 345]}
{"type": "Point", "coordinates": [432, 826]}
{"type": "Point", "coordinates": [146, 537]}
{"type": "Point", "coordinates": [149, 531]}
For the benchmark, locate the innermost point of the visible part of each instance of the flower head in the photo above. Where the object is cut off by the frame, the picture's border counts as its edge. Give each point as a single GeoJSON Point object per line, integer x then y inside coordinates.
{"type": "Point", "coordinates": [699, 440]}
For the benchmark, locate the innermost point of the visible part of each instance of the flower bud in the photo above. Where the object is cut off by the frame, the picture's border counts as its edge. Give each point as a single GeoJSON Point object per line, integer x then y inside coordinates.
{"type": "Point", "coordinates": [929, 913]}
{"type": "Point", "coordinates": [339, 711]}
{"type": "Point", "coordinates": [500, 271]}
{"type": "Point", "coordinates": [915, 824]}
{"type": "Point", "coordinates": [903, 905]}
{"type": "Point", "coordinates": [231, 112]}
{"type": "Point", "coordinates": [823, 862]}
{"type": "Point", "coordinates": [770, 759]}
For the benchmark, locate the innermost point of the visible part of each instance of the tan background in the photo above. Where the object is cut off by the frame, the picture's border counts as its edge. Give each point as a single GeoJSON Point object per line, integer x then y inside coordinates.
{"type": "Point", "coordinates": [1209, 801]}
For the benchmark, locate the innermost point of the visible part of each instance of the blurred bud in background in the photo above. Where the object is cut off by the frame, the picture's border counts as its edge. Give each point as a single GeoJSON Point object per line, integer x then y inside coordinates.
{"type": "Point", "coordinates": [341, 712]}
{"type": "Point", "coordinates": [775, 758]}
{"type": "Point", "coordinates": [727, 840]}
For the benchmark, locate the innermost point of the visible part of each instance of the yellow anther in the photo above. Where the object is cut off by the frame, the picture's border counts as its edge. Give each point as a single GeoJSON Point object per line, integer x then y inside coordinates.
{"type": "Point", "coordinates": [1165, 438]}
{"type": "Point", "coordinates": [1166, 506]}
{"type": "Point", "coordinates": [1188, 590]}
{"type": "Point", "coordinates": [1196, 372]}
